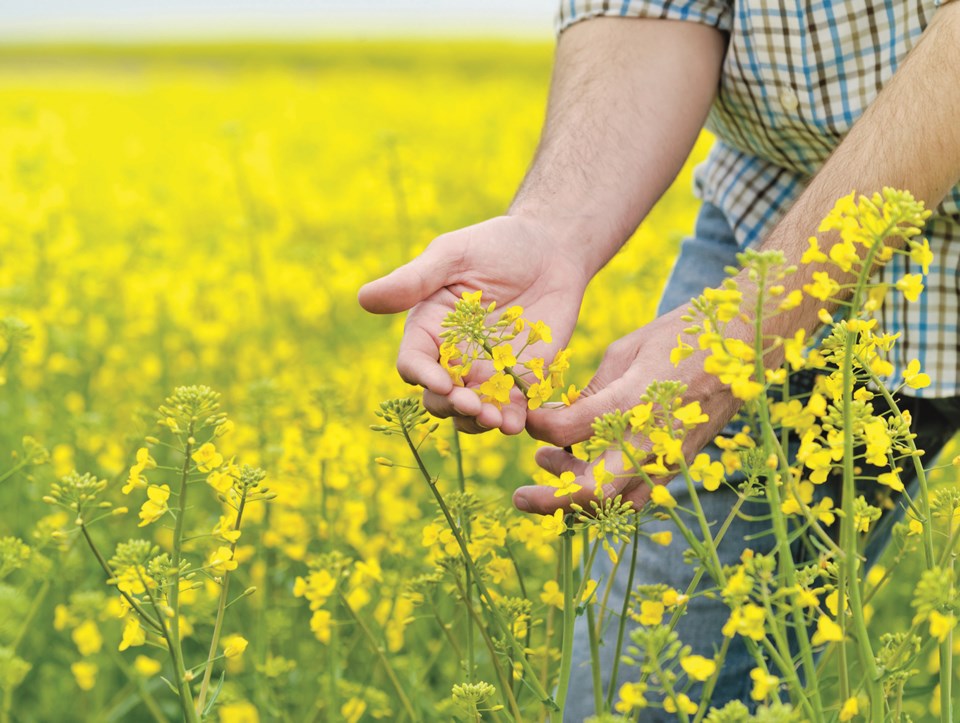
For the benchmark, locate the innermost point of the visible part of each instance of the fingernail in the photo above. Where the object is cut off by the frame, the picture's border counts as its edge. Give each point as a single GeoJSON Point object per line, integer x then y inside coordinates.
{"type": "Point", "coordinates": [482, 425]}
{"type": "Point", "coordinates": [522, 504]}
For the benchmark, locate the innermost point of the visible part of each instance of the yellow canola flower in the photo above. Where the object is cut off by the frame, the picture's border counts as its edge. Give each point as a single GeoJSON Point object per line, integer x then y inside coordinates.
{"type": "Point", "coordinates": [849, 709]}
{"type": "Point", "coordinates": [823, 286]}
{"type": "Point", "coordinates": [707, 471]}
{"type": "Point", "coordinates": [496, 389]}
{"type": "Point", "coordinates": [844, 255]}
{"type": "Point", "coordinates": [353, 710]}
{"type": "Point", "coordinates": [662, 538]}
{"type": "Point", "coordinates": [539, 332]}
{"type": "Point", "coordinates": [651, 613]}
{"type": "Point", "coordinates": [133, 635]}
{"type": "Point", "coordinates": [552, 594]}
{"type": "Point", "coordinates": [221, 561]}
{"type": "Point", "coordinates": [570, 396]}
{"type": "Point", "coordinates": [680, 352]}
{"type": "Point", "coordinates": [234, 645]}
{"type": "Point", "coordinates": [921, 254]}
{"type": "Point", "coordinates": [827, 632]}
{"type": "Point", "coordinates": [554, 523]}
{"type": "Point", "coordinates": [631, 697]}
{"type": "Point", "coordinates": [87, 638]}
{"type": "Point", "coordinates": [747, 621]}
{"type": "Point", "coordinates": [85, 673]}
{"type": "Point", "coordinates": [661, 496]}
{"type": "Point", "coordinates": [503, 357]}
{"type": "Point", "coordinates": [698, 667]}
{"type": "Point", "coordinates": [913, 377]}
{"type": "Point", "coordinates": [155, 506]}
{"type": "Point", "coordinates": [146, 666]}
{"type": "Point", "coordinates": [207, 457]}
{"type": "Point", "coordinates": [941, 625]}
{"type": "Point", "coordinates": [813, 254]}
{"type": "Point", "coordinates": [538, 393]}
{"type": "Point", "coordinates": [567, 485]}
{"type": "Point", "coordinates": [911, 285]}
{"type": "Point", "coordinates": [763, 684]}
{"type": "Point", "coordinates": [690, 415]}
{"type": "Point", "coordinates": [681, 703]}
{"type": "Point", "coordinates": [239, 712]}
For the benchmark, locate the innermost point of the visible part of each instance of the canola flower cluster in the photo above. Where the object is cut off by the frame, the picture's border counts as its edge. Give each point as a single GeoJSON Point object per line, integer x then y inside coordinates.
{"type": "Point", "coordinates": [378, 578]}
{"type": "Point", "coordinates": [467, 337]}
{"type": "Point", "coordinates": [190, 216]}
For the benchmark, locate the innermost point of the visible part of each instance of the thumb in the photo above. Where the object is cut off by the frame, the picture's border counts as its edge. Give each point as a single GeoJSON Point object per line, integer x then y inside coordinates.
{"type": "Point", "coordinates": [408, 285]}
{"type": "Point", "coordinates": [567, 426]}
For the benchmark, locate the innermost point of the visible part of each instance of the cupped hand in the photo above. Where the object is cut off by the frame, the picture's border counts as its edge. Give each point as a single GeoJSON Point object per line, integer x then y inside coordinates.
{"type": "Point", "coordinates": [628, 367]}
{"type": "Point", "coordinates": [514, 260]}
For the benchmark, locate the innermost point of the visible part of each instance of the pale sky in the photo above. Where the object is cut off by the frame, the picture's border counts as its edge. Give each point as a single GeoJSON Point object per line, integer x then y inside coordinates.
{"type": "Point", "coordinates": [136, 19]}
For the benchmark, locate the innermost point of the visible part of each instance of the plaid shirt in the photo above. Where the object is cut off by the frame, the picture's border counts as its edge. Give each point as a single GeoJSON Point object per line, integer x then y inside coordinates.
{"type": "Point", "coordinates": [796, 76]}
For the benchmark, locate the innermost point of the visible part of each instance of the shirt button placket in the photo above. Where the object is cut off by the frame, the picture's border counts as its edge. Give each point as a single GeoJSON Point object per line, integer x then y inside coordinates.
{"type": "Point", "coordinates": [789, 100]}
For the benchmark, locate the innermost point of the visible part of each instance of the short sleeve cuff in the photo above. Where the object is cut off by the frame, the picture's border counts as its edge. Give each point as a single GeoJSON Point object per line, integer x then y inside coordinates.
{"type": "Point", "coordinates": [715, 13]}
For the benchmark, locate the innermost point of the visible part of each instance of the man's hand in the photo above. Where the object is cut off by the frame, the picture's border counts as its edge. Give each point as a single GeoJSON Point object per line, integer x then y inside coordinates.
{"type": "Point", "coordinates": [628, 367]}
{"type": "Point", "coordinates": [514, 261]}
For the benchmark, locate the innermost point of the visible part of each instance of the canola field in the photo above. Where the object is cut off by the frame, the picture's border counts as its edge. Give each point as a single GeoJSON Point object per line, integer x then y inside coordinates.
{"type": "Point", "coordinates": [204, 215]}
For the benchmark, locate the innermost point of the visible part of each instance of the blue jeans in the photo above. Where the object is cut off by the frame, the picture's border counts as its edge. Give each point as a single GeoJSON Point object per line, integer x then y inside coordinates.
{"type": "Point", "coordinates": [701, 264]}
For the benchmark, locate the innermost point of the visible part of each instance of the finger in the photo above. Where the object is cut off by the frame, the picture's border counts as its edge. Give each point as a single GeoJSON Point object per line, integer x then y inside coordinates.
{"type": "Point", "coordinates": [417, 361]}
{"type": "Point", "coordinates": [542, 499]}
{"type": "Point", "coordinates": [459, 402]}
{"type": "Point", "coordinates": [566, 426]}
{"type": "Point", "coordinates": [411, 283]}
{"type": "Point", "coordinates": [556, 461]}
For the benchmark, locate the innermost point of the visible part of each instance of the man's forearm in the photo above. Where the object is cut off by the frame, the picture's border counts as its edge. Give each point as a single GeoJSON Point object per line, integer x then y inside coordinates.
{"type": "Point", "coordinates": [909, 138]}
{"type": "Point", "coordinates": [627, 102]}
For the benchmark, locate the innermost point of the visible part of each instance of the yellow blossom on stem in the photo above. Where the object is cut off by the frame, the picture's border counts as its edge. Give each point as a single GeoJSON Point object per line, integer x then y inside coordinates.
{"type": "Point", "coordinates": [207, 457]}
{"type": "Point", "coordinates": [682, 703]}
{"type": "Point", "coordinates": [496, 389]}
{"type": "Point", "coordinates": [503, 357]}
{"type": "Point", "coordinates": [662, 538]}
{"type": "Point", "coordinates": [85, 673]}
{"type": "Point", "coordinates": [156, 505]}
{"type": "Point", "coordinates": [631, 697]}
{"type": "Point", "coordinates": [554, 523]}
{"type": "Point", "coordinates": [698, 667]}
{"type": "Point", "coordinates": [763, 684]}
{"type": "Point", "coordinates": [651, 612]}
{"type": "Point", "coordinates": [913, 377]}
{"type": "Point", "coordinates": [539, 332]}
{"type": "Point", "coordinates": [552, 594]}
{"type": "Point", "coordinates": [660, 495]}
{"type": "Point", "coordinates": [707, 471]}
{"type": "Point", "coordinates": [567, 485]}
{"type": "Point", "coordinates": [538, 393]}
{"type": "Point", "coordinates": [827, 631]}
{"type": "Point", "coordinates": [221, 561]}
{"type": "Point", "coordinates": [234, 645]}
{"type": "Point", "coordinates": [849, 709]}
{"type": "Point", "coordinates": [941, 625]}
{"type": "Point", "coordinates": [911, 285]}
{"type": "Point", "coordinates": [133, 634]}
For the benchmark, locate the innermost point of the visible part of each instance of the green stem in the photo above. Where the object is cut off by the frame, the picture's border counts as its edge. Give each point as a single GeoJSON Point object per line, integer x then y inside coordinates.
{"type": "Point", "coordinates": [569, 616]}
{"type": "Point", "coordinates": [471, 661]}
{"type": "Point", "coordinates": [530, 674]}
{"type": "Point", "coordinates": [384, 662]}
{"type": "Point", "coordinates": [497, 669]}
{"type": "Point", "coordinates": [622, 625]}
{"type": "Point", "coordinates": [592, 631]}
{"type": "Point", "coordinates": [849, 584]}
{"type": "Point", "coordinates": [785, 558]}
{"type": "Point", "coordinates": [221, 608]}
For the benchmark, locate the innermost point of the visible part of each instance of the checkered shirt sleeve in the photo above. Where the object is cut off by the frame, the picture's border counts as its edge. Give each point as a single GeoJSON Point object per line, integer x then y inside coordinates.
{"type": "Point", "coordinates": [715, 13]}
